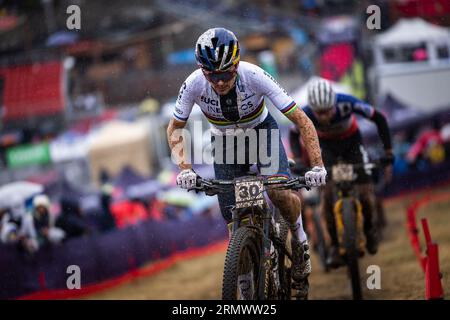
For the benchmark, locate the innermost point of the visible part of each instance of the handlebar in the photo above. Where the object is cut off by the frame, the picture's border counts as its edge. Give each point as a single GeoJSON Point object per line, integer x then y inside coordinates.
{"type": "Point", "coordinates": [215, 186]}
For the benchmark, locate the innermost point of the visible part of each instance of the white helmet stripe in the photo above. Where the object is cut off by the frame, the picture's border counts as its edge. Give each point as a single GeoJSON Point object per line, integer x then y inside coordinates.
{"type": "Point", "coordinates": [322, 93]}
{"type": "Point", "coordinates": [326, 93]}
{"type": "Point", "coordinates": [317, 95]}
{"type": "Point", "coordinates": [330, 94]}
{"type": "Point", "coordinates": [224, 56]}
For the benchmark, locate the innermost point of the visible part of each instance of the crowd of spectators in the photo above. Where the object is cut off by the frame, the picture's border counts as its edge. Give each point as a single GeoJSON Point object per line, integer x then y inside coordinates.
{"type": "Point", "coordinates": [421, 149]}
{"type": "Point", "coordinates": [36, 223]}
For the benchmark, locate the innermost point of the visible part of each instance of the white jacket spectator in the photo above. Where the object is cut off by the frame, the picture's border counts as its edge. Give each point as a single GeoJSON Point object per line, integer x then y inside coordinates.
{"type": "Point", "coordinates": [30, 229]}
{"type": "Point", "coordinates": [8, 230]}
{"type": "Point", "coordinates": [43, 222]}
{"type": "Point", "coordinates": [12, 221]}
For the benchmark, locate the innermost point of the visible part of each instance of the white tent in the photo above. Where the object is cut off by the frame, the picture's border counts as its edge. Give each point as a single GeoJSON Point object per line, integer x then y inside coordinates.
{"type": "Point", "coordinates": [117, 133]}
{"type": "Point", "coordinates": [420, 83]}
{"type": "Point", "coordinates": [120, 143]}
{"type": "Point", "coordinates": [412, 31]}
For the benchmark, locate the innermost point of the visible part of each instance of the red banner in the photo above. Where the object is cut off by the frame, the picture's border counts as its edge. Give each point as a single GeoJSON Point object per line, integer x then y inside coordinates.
{"type": "Point", "coordinates": [32, 90]}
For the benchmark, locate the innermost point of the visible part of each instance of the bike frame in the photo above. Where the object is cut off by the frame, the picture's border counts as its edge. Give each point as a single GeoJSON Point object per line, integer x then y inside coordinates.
{"type": "Point", "coordinates": [346, 191]}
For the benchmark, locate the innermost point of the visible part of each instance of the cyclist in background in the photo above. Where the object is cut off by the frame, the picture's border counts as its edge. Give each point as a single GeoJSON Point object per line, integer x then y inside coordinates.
{"type": "Point", "coordinates": [333, 115]}
{"type": "Point", "coordinates": [231, 95]}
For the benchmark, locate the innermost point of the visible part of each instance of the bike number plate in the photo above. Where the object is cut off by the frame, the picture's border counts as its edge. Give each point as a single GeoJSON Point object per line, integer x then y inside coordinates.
{"type": "Point", "coordinates": [249, 192]}
{"type": "Point", "coordinates": [342, 172]}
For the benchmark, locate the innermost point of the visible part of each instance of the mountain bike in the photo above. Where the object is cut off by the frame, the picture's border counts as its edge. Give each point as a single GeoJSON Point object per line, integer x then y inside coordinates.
{"type": "Point", "coordinates": [349, 219]}
{"type": "Point", "coordinates": [259, 256]}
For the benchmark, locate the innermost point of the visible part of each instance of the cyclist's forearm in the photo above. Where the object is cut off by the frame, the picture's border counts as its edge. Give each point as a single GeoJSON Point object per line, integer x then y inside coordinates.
{"type": "Point", "coordinates": [383, 129]}
{"type": "Point", "coordinates": [176, 144]}
{"type": "Point", "coordinates": [309, 135]}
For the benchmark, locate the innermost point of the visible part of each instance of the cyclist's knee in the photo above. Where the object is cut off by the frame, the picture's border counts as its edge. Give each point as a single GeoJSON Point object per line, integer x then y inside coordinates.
{"type": "Point", "coordinates": [367, 193]}
{"type": "Point", "coordinates": [284, 200]}
{"type": "Point", "coordinates": [278, 196]}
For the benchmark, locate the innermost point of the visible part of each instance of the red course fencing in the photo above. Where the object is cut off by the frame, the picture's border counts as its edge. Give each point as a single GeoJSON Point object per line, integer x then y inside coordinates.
{"type": "Point", "coordinates": [430, 261]}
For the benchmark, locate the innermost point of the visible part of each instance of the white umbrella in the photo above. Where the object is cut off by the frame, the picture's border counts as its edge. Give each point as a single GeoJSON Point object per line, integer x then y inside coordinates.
{"type": "Point", "coordinates": [20, 190]}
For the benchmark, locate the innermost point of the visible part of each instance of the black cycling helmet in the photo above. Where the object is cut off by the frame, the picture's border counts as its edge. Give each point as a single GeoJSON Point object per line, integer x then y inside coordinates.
{"type": "Point", "coordinates": [217, 49]}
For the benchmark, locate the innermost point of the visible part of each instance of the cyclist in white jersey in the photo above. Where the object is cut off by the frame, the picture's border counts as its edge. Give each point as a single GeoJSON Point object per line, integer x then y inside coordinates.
{"type": "Point", "coordinates": [231, 95]}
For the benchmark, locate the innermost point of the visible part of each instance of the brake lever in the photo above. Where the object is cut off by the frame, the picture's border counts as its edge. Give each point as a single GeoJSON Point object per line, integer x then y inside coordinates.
{"type": "Point", "coordinates": [196, 189]}
{"type": "Point", "coordinates": [301, 186]}
{"type": "Point", "coordinates": [297, 185]}
{"type": "Point", "coordinates": [211, 192]}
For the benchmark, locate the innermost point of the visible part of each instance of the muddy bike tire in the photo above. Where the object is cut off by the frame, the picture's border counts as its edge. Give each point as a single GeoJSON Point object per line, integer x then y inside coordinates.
{"type": "Point", "coordinates": [244, 252]}
{"type": "Point", "coordinates": [349, 219]}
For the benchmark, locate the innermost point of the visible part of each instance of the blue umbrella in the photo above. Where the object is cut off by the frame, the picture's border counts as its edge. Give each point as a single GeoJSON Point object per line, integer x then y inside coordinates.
{"type": "Point", "coordinates": [62, 38]}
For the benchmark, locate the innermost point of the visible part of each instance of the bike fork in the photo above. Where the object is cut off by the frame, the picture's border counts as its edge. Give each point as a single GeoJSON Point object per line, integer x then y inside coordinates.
{"type": "Point", "coordinates": [235, 220]}
{"type": "Point", "coordinates": [265, 256]}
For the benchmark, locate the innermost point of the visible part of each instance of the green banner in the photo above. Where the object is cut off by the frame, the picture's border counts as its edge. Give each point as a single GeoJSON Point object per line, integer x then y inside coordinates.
{"type": "Point", "coordinates": [26, 155]}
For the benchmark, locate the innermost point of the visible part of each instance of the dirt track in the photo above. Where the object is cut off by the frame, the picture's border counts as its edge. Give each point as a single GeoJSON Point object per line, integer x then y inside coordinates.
{"type": "Point", "coordinates": [401, 276]}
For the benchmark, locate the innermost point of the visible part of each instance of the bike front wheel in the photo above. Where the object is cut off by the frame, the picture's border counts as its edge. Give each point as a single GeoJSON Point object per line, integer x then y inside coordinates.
{"type": "Point", "coordinates": [349, 219]}
{"type": "Point", "coordinates": [242, 264]}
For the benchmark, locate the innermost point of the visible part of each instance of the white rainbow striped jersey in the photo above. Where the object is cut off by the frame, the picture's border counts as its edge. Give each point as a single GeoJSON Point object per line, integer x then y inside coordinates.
{"type": "Point", "coordinates": [253, 84]}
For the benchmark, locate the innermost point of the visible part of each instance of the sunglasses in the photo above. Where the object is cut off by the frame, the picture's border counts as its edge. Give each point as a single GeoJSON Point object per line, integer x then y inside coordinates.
{"type": "Point", "coordinates": [216, 76]}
